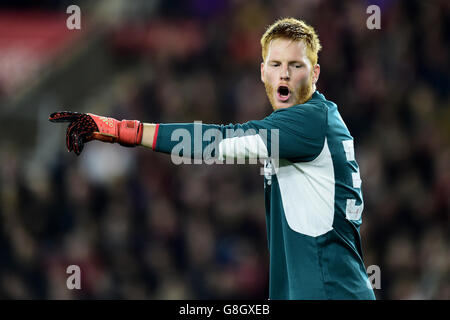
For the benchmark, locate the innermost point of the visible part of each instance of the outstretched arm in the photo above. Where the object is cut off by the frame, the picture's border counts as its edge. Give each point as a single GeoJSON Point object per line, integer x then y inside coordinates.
{"type": "Point", "coordinates": [295, 133]}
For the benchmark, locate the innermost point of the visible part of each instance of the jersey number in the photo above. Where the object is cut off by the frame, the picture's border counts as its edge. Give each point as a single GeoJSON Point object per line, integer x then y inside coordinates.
{"type": "Point", "coordinates": [353, 211]}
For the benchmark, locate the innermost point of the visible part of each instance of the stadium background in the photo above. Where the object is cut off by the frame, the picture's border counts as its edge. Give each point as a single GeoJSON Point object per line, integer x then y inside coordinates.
{"type": "Point", "coordinates": [141, 227]}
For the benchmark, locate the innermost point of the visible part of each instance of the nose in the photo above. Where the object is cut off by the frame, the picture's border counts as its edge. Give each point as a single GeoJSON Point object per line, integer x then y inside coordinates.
{"type": "Point", "coordinates": [284, 75]}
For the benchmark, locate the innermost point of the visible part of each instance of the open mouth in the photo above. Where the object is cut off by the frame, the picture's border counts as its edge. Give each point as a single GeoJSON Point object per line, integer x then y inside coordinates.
{"type": "Point", "coordinates": [283, 93]}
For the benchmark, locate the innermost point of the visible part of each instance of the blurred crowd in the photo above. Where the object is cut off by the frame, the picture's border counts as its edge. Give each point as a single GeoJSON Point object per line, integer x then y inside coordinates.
{"type": "Point", "coordinates": [141, 227]}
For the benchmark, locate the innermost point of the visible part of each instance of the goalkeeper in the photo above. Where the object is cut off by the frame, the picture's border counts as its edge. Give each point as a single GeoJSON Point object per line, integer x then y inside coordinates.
{"type": "Point", "coordinates": [312, 183]}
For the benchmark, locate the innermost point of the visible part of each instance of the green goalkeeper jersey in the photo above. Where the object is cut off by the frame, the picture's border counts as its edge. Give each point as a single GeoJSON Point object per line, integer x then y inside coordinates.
{"type": "Point", "coordinates": [313, 194]}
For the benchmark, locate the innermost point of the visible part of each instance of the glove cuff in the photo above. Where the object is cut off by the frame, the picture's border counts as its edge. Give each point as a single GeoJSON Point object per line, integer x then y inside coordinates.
{"type": "Point", "coordinates": [126, 132]}
{"type": "Point", "coordinates": [130, 132]}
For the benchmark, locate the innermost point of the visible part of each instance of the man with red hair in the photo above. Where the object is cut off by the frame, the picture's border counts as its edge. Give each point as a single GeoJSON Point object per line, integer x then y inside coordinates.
{"type": "Point", "coordinates": [312, 182]}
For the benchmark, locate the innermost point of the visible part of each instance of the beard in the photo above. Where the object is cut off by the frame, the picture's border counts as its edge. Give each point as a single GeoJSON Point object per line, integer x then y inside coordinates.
{"type": "Point", "coordinates": [301, 95]}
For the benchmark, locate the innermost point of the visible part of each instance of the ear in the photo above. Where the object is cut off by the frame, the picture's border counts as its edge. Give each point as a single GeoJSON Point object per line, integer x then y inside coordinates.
{"type": "Point", "coordinates": [262, 71]}
{"type": "Point", "coordinates": [316, 73]}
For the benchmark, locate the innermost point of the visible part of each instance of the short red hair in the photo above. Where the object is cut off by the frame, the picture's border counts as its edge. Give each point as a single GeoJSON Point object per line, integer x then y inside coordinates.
{"type": "Point", "coordinates": [296, 30]}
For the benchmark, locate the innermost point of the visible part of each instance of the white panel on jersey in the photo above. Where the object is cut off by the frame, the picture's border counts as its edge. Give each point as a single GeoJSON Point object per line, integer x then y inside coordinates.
{"type": "Point", "coordinates": [251, 146]}
{"type": "Point", "coordinates": [307, 192]}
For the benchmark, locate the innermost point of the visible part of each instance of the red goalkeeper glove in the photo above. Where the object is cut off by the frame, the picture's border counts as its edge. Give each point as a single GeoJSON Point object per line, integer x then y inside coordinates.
{"type": "Point", "coordinates": [85, 127]}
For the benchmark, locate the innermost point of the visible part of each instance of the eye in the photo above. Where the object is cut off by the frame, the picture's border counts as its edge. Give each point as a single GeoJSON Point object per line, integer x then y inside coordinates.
{"type": "Point", "coordinates": [298, 66]}
{"type": "Point", "coordinates": [275, 64]}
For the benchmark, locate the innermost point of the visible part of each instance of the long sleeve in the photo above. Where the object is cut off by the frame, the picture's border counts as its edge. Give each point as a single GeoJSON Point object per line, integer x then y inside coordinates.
{"type": "Point", "coordinates": [295, 133]}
